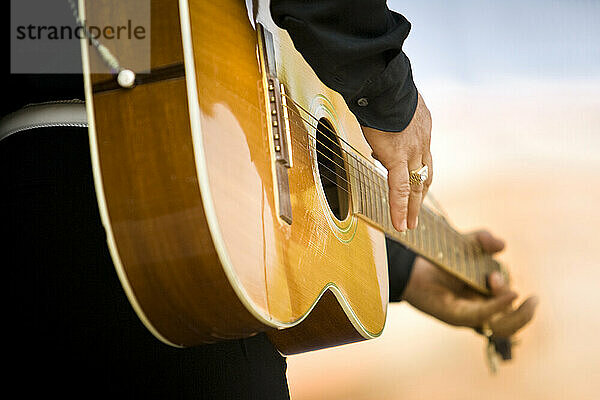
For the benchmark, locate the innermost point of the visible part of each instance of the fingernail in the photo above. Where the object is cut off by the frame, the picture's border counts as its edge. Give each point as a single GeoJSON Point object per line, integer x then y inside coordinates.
{"type": "Point", "coordinates": [417, 222]}
{"type": "Point", "coordinates": [497, 278]}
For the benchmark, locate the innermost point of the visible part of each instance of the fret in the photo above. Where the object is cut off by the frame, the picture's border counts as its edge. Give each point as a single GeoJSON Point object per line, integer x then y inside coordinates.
{"type": "Point", "coordinates": [419, 237]}
{"type": "Point", "coordinates": [463, 254]}
{"type": "Point", "coordinates": [434, 238]}
{"type": "Point", "coordinates": [459, 254]}
{"type": "Point", "coordinates": [366, 189]}
{"type": "Point", "coordinates": [410, 238]}
{"type": "Point", "coordinates": [362, 187]}
{"type": "Point", "coordinates": [424, 226]}
{"type": "Point", "coordinates": [374, 195]}
{"type": "Point", "coordinates": [437, 249]}
{"type": "Point", "coordinates": [371, 193]}
{"type": "Point", "coordinates": [431, 236]}
{"type": "Point", "coordinates": [479, 262]}
{"type": "Point", "coordinates": [356, 178]}
{"type": "Point", "coordinates": [355, 188]}
{"type": "Point", "coordinates": [475, 271]}
{"type": "Point", "coordinates": [424, 223]}
{"type": "Point", "coordinates": [377, 195]}
{"type": "Point", "coordinates": [386, 206]}
{"type": "Point", "coordinates": [454, 248]}
{"type": "Point", "coordinates": [451, 260]}
{"type": "Point", "coordinates": [444, 242]}
{"type": "Point", "coordinates": [389, 214]}
{"type": "Point", "coordinates": [374, 192]}
{"type": "Point", "coordinates": [365, 209]}
{"type": "Point", "coordinates": [469, 270]}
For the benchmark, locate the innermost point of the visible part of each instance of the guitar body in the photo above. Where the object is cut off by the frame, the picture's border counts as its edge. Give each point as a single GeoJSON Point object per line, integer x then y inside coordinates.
{"type": "Point", "coordinates": [186, 175]}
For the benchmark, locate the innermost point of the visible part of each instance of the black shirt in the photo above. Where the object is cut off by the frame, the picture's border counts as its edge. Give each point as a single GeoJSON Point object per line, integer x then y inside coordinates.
{"type": "Point", "coordinates": [355, 48]}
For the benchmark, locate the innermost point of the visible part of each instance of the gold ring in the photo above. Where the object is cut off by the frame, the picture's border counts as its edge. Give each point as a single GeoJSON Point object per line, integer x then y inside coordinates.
{"type": "Point", "coordinates": [418, 176]}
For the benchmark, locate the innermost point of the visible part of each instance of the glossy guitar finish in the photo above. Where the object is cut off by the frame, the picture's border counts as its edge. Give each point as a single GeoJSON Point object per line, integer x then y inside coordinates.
{"type": "Point", "coordinates": [185, 175]}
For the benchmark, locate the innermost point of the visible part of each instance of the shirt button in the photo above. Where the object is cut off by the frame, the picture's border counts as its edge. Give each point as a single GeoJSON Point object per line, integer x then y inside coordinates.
{"type": "Point", "coordinates": [363, 102]}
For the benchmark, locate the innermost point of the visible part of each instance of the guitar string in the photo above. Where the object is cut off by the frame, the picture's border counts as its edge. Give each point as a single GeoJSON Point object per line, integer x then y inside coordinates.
{"type": "Point", "coordinates": [459, 238]}
{"type": "Point", "coordinates": [280, 43]}
{"type": "Point", "coordinates": [375, 183]}
{"type": "Point", "coordinates": [382, 189]}
{"type": "Point", "coordinates": [363, 157]}
{"type": "Point", "coordinates": [367, 177]}
{"type": "Point", "coordinates": [341, 158]}
{"type": "Point", "coordinates": [466, 246]}
{"type": "Point", "coordinates": [476, 247]}
{"type": "Point", "coordinates": [468, 249]}
{"type": "Point", "coordinates": [375, 172]}
{"type": "Point", "coordinates": [379, 186]}
{"type": "Point", "coordinates": [431, 197]}
{"type": "Point", "coordinates": [109, 59]}
{"type": "Point", "coordinates": [427, 211]}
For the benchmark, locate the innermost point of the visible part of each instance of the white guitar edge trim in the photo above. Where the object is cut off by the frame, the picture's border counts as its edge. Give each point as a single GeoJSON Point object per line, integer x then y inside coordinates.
{"type": "Point", "coordinates": [110, 239]}
{"type": "Point", "coordinates": [207, 200]}
{"type": "Point", "coordinates": [203, 180]}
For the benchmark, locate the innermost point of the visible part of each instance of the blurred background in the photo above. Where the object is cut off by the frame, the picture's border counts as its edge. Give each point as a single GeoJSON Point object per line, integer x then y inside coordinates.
{"type": "Point", "coordinates": [514, 91]}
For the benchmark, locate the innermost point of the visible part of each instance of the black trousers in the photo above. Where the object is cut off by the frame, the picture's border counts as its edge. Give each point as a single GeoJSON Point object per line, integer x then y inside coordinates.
{"type": "Point", "coordinates": [71, 330]}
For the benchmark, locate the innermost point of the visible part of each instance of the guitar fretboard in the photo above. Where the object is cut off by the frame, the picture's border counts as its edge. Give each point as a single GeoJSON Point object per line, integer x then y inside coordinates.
{"type": "Point", "coordinates": [434, 238]}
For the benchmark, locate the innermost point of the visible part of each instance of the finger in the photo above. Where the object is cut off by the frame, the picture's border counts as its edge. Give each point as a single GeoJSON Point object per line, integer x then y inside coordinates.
{"type": "Point", "coordinates": [415, 197]}
{"type": "Point", "coordinates": [488, 242]}
{"type": "Point", "coordinates": [399, 193]}
{"type": "Point", "coordinates": [509, 323]}
{"type": "Point", "coordinates": [428, 160]}
{"type": "Point", "coordinates": [475, 313]}
{"type": "Point", "coordinates": [497, 283]}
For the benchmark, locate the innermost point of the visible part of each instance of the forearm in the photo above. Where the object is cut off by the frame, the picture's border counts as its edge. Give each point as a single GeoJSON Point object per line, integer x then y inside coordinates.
{"type": "Point", "coordinates": [400, 265]}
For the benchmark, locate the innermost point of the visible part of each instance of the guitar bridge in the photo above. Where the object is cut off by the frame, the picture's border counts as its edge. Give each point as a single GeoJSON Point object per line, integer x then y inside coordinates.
{"type": "Point", "coordinates": [279, 124]}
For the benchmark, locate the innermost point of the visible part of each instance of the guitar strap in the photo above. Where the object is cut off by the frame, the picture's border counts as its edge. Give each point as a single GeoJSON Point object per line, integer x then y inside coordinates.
{"type": "Point", "coordinates": [67, 113]}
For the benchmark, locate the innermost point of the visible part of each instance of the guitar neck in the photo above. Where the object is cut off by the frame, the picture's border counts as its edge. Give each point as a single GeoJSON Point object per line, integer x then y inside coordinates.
{"type": "Point", "coordinates": [434, 238]}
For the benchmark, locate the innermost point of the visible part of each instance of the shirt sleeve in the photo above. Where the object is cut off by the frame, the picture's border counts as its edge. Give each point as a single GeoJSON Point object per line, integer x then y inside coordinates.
{"type": "Point", "coordinates": [400, 266]}
{"type": "Point", "coordinates": [355, 48]}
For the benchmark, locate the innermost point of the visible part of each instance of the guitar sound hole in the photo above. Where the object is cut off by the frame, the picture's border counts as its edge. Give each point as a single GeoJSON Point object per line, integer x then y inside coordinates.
{"type": "Point", "coordinates": [332, 170]}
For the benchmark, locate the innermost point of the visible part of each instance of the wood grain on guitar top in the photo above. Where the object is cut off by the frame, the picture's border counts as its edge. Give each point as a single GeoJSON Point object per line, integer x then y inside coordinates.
{"type": "Point", "coordinates": [193, 211]}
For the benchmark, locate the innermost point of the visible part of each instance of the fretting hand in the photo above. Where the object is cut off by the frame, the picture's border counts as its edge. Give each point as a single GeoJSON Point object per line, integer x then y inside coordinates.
{"type": "Point", "coordinates": [439, 294]}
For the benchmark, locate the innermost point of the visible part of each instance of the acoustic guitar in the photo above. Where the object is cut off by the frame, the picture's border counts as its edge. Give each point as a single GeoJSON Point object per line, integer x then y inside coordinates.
{"type": "Point", "coordinates": [237, 191]}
